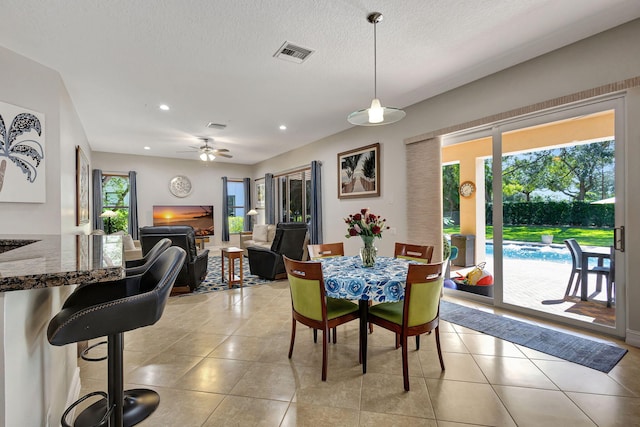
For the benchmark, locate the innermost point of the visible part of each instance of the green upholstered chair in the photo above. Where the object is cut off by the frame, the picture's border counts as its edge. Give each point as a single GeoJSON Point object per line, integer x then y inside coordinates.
{"type": "Point", "coordinates": [417, 314]}
{"type": "Point", "coordinates": [418, 253]}
{"type": "Point", "coordinates": [310, 305]}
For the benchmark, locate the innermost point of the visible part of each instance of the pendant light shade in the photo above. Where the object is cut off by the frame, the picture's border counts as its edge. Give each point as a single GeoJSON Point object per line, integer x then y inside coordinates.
{"type": "Point", "coordinates": [376, 114]}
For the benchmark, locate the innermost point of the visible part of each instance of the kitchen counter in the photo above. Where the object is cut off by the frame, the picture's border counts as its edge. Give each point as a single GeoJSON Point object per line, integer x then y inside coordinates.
{"type": "Point", "coordinates": [43, 261]}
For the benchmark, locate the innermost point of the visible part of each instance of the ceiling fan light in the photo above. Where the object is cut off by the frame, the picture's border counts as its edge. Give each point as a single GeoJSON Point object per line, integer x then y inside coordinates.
{"type": "Point", "coordinates": [203, 157]}
{"type": "Point", "coordinates": [211, 157]}
{"type": "Point", "coordinates": [376, 112]}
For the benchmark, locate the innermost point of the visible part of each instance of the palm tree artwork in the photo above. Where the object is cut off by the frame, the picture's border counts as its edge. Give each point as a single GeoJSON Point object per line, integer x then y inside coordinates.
{"type": "Point", "coordinates": [368, 180]}
{"type": "Point", "coordinates": [349, 165]}
{"type": "Point", "coordinates": [15, 145]}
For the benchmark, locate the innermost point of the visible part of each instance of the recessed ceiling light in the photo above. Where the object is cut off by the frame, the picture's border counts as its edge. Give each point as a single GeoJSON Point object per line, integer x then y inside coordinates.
{"type": "Point", "coordinates": [164, 107]}
{"type": "Point", "coordinates": [283, 127]}
{"type": "Point", "coordinates": [147, 148]}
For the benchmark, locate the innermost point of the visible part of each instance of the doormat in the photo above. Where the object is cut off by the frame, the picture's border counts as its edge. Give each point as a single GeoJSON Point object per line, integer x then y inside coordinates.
{"type": "Point", "coordinates": [584, 351]}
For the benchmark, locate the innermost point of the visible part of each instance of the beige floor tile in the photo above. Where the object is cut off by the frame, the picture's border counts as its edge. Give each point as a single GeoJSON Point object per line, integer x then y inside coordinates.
{"type": "Point", "coordinates": [534, 407]}
{"type": "Point", "coordinates": [197, 343]}
{"type": "Point", "coordinates": [240, 348]}
{"type": "Point", "coordinates": [466, 402]}
{"type": "Point", "coordinates": [571, 377]}
{"type": "Point", "coordinates": [267, 381]}
{"type": "Point", "coordinates": [305, 415]}
{"type": "Point", "coordinates": [245, 411]}
{"type": "Point", "coordinates": [608, 411]}
{"type": "Point", "coordinates": [450, 342]}
{"type": "Point", "coordinates": [373, 419]}
{"type": "Point", "coordinates": [534, 354]}
{"type": "Point", "coordinates": [513, 371]}
{"type": "Point", "coordinates": [385, 394]}
{"type": "Point", "coordinates": [458, 366]}
{"type": "Point", "coordinates": [340, 390]}
{"type": "Point", "coordinates": [214, 375]}
{"type": "Point", "coordinates": [166, 369]}
{"type": "Point", "coordinates": [388, 360]}
{"type": "Point", "coordinates": [492, 346]}
{"type": "Point", "coordinates": [182, 408]}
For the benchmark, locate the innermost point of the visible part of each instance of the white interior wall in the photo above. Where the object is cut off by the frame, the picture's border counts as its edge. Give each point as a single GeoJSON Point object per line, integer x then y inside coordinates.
{"type": "Point", "coordinates": [154, 174]}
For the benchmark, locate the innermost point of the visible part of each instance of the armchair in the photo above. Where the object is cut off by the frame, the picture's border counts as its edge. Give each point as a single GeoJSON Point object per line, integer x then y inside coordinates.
{"type": "Point", "coordinates": [289, 240]}
{"type": "Point", "coordinates": [194, 269]}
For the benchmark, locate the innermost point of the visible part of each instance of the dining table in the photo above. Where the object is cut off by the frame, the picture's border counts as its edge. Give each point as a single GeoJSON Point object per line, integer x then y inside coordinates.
{"type": "Point", "coordinates": [345, 277]}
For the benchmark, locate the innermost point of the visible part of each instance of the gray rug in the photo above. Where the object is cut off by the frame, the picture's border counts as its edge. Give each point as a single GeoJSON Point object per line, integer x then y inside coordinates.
{"type": "Point", "coordinates": [213, 281]}
{"type": "Point", "coordinates": [593, 354]}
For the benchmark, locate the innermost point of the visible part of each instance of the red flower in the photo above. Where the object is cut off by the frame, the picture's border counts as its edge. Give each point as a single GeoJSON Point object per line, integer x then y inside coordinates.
{"type": "Point", "coordinates": [353, 232]}
{"type": "Point", "coordinates": [375, 229]}
{"type": "Point", "coordinates": [363, 211]}
{"type": "Point", "coordinates": [357, 217]}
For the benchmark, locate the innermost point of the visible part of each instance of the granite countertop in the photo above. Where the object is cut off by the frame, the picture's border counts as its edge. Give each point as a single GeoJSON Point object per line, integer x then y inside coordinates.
{"type": "Point", "coordinates": [43, 261]}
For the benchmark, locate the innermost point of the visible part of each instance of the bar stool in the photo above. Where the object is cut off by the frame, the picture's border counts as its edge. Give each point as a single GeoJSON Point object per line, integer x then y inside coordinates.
{"type": "Point", "coordinates": [110, 309]}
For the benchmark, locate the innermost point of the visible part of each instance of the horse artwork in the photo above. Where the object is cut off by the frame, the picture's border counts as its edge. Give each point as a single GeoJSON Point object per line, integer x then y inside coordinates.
{"type": "Point", "coordinates": [22, 153]}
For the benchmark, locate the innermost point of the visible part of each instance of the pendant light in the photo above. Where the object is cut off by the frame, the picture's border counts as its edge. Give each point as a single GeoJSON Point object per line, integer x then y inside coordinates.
{"type": "Point", "coordinates": [376, 114]}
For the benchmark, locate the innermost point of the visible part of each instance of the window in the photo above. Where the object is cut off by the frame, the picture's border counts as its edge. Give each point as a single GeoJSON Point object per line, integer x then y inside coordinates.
{"type": "Point", "coordinates": [294, 196]}
{"type": "Point", "coordinates": [115, 197]}
{"type": "Point", "coordinates": [235, 203]}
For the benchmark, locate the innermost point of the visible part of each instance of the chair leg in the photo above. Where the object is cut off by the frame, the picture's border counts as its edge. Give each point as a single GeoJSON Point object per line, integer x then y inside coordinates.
{"type": "Point", "coordinates": [405, 362]}
{"type": "Point", "coordinates": [609, 291]}
{"type": "Point", "coordinates": [335, 334]}
{"type": "Point", "coordinates": [315, 336]}
{"type": "Point", "coordinates": [293, 336]}
{"type": "Point", "coordinates": [568, 291]}
{"type": "Point", "coordinates": [324, 353]}
{"type": "Point", "coordinates": [437, 329]}
{"type": "Point", "coordinates": [371, 324]}
{"type": "Point", "coordinates": [417, 342]}
{"type": "Point", "coordinates": [397, 341]}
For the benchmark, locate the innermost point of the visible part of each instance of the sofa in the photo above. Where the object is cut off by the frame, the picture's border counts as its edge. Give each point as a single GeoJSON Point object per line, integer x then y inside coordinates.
{"type": "Point", "coordinates": [290, 240]}
{"type": "Point", "coordinates": [195, 265]}
{"type": "Point", "coordinates": [262, 235]}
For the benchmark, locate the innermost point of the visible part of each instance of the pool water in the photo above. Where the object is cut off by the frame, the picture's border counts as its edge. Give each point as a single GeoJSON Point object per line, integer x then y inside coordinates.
{"type": "Point", "coordinates": [537, 253]}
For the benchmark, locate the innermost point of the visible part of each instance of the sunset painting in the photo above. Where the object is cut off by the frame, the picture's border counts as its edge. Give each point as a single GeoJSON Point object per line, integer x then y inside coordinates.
{"type": "Point", "coordinates": [199, 217]}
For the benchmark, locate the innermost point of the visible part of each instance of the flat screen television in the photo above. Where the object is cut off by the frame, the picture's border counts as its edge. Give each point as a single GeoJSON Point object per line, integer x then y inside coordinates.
{"type": "Point", "coordinates": [199, 217]}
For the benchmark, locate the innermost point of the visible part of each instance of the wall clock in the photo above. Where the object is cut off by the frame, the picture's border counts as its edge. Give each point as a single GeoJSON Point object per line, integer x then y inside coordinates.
{"type": "Point", "coordinates": [180, 186]}
{"type": "Point", "coordinates": [467, 188]}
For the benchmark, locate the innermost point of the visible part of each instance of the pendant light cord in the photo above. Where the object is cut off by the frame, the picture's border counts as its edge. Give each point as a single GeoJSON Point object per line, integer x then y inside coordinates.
{"type": "Point", "coordinates": [375, 62]}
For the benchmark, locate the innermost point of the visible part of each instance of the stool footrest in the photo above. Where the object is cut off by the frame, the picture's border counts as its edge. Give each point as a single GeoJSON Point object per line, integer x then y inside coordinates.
{"type": "Point", "coordinates": [138, 404]}
{"type": "Point", "coordinates": [84, 356]}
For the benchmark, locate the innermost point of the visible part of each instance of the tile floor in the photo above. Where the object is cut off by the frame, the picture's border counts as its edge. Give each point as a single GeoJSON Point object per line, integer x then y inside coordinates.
{"type": "Point", "coordinates": [220, 359]}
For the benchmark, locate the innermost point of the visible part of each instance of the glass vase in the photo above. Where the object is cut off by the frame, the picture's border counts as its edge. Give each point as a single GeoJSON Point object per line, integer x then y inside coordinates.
{"type": "Point", "coordinates": [368, 252]}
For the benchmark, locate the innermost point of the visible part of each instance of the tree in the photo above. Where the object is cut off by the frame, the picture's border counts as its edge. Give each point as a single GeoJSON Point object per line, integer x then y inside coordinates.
{"type": "Point", "coordinates": [583, 170]}
{"type": "Point", "coordinates": [525, 173]}
{"type": "Point", "coordinates": [450, 195]}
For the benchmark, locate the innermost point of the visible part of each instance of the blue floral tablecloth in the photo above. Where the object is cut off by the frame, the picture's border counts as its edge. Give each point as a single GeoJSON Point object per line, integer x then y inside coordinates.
{"type": "Point", "coordinates": [346, 278]}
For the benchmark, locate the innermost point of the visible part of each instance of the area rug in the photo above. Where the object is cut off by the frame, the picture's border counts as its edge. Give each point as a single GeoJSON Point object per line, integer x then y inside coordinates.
{"type": "Point", "coordinates": [590, 353]}
{"type": "Point", "coordinates": [213, 281]}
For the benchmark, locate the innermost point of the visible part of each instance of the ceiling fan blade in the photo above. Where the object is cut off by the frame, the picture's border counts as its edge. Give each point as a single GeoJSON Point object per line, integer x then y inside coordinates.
{"type": "Point", "coordinates": [221, 150]}
{"type": "Point", "coordinates": [228, 156]}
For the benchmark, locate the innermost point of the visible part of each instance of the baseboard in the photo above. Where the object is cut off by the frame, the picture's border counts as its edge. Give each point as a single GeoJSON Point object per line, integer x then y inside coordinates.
{"type": "Point", "coordinates": [633, 338]}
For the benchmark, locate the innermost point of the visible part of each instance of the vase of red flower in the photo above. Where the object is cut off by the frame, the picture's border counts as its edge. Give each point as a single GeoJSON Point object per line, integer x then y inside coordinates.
{"type": "Point", "coordinates": [368, 226]}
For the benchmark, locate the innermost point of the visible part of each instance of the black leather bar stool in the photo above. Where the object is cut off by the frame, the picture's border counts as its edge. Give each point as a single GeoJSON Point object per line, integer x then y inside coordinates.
{"type": "Point", "coordinates": [110, 309]}
{"type": "Point", "coordinates": [139, 266]}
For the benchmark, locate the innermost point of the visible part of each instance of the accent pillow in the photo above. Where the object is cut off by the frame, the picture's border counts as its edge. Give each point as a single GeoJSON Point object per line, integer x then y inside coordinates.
{"type": "Point", "coordinates": [260, 233]}
{"type": "Point", "coordinates": [127, 240]}
{"type": "Point", "coordinates": [271, 232]}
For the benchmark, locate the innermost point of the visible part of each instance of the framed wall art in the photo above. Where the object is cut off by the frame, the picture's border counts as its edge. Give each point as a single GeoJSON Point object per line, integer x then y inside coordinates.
{"type": "Point", "coordinates": [82, 187]}
{"type": "Point", "coordinates": [359, 172]}
{"type": "Point", "coordinates": [260, 195]}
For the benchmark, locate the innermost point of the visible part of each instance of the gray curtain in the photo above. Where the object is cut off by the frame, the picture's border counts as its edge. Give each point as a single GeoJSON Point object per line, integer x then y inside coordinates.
{"type": "Point", "coordinates": [225, 211]}
{"type": "Point", "coordinates": [133, 205]}
{"type": "Point", "coordinates": [98, 224]}
{"type": "Point", "coordinates": [248, 220]}
{"type": "Point", "coordinates": [269, 200]}
{"type": "Point", "coordinates": [315, 228]}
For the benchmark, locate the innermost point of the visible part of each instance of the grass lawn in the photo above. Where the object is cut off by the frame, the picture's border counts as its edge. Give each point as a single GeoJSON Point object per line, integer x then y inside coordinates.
{"type": "Point", "coordinates": [584, 236]}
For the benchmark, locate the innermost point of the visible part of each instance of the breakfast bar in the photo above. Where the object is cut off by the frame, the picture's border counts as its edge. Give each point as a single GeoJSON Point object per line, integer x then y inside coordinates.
{"type": "Point", "coordinates": [37, 378]}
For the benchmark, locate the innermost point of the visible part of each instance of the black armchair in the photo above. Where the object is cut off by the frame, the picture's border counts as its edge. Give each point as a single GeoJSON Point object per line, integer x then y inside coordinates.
{"type": "Point", "coordinates": [289, 240]}
{"type": "Point", "coordinates": [194, 269]}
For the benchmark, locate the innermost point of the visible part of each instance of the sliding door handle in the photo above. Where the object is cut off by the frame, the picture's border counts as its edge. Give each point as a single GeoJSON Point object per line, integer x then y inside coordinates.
{"type": "Point", "coordinates": [618, 238]}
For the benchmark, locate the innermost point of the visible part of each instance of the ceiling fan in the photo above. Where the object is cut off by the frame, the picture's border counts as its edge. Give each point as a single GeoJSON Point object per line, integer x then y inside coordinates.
{"type": "Point", "coordinates": [207, 152]}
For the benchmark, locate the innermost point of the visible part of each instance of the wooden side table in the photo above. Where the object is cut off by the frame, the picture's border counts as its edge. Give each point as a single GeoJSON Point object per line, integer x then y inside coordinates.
{"type": "Point", "coordinates": [232, 254]}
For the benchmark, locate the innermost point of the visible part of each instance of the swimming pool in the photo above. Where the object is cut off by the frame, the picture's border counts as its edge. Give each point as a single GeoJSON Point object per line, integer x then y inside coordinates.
{"type": "Point", "coordinates": [524, 251]}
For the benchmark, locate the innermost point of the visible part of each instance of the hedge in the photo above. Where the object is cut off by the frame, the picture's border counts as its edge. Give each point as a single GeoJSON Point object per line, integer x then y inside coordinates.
{"type": "Point", "coordinates": [563, 213]}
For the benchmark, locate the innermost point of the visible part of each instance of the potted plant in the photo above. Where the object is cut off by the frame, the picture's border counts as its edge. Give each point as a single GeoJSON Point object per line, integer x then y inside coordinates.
{"type": "Point", "coordinates": [547, 239]}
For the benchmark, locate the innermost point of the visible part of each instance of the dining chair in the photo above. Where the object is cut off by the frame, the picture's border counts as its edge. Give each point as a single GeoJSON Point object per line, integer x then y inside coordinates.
{"type": "Point", "coordinates": [417, 314]}
{"type": "Point", "coordinates": [311, 307]}
{"type": "Point", "coordinates": [609, 273]}
{"type": "Point", "coordinates": [576, 271]}
{"type": "Point", "coordinates": [420, 253]}
{"type": "Point", "coordinates": [325, 250]}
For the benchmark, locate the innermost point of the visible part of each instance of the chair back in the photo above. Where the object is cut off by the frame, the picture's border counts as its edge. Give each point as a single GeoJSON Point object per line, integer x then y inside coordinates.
{"type": "Point", "coordinates": [183, 236]}
{"type": "Point", "coordinates": [307, 288]}
{"type": "Point", "coordinates": [422, 293]}
{"type": "Point", "coordinates": [576, 252]}
{"type": "Point", "coordinates": [326, 250]}
{"type": "Point", "coordinates": [418, 253]}
{"type": "Point", "coordinates": [289, 239]}
{"type": "Point", "coordinates": [139, 266]}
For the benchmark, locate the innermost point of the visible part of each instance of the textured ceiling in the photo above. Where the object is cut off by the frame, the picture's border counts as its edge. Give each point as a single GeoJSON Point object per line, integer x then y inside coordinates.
{"type": "Point", "coordinates": [212, 61]}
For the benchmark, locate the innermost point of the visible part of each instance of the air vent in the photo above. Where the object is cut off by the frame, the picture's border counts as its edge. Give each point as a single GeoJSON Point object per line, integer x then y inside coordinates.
{"type": "Point", "coordinates": [292, 53]}
{"type": "Point", "coordinates": [216, 126]}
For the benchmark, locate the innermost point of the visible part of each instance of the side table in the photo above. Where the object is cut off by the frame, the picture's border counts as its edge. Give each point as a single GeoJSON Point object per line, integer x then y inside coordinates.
{"type": "Point", "coordinates": [232, 254]}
